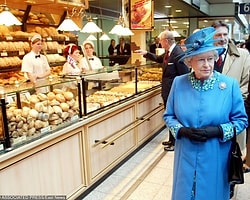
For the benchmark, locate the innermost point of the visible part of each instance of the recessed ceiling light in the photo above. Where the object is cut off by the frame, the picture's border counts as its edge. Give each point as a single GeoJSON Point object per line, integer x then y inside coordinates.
{"type": "Point", "coordinates": [168, 6]}
{"type": "Point", "coordinates": [178, 11]}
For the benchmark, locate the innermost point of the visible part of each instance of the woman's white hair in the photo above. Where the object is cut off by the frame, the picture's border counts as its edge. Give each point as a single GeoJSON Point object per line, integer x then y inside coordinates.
{"type": "Point", "coordinates": [188, 59]}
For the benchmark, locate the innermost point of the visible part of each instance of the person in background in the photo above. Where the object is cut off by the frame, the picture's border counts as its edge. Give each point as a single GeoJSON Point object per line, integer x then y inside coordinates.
{"type": "Point", "coordinates": [247, 45]}
{"type": "Point", "coordinates": [182, 44]}
{"type": "Point", "coordinates": [112, 52]}
{"type": "Point", "coordinates": [235, 62]}
{"type": "Point", "coordinates": [170, 69]}
{"type": "Point", "coordinates": [203, 129]}
{"type": "Point", "coordinates": [155, 45]}
{"type": "Point", "coordinates": [111, 48]}
{"type": "Point", "coordinates": [72, 54]}
{"type": "Point", "coordinates": [246, 168]}
{"type": "Point", "coordinates": [89, 61]}
{"type": "Point", "coordinates": [35, 65]}
{"type": "Point", "coordinates": [123, 48]}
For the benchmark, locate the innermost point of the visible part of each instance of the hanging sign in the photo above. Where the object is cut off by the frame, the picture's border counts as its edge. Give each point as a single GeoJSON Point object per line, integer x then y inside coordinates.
{"type": "Point", "coordinates": [141, 14]}
{"type": "Point", "coordinates": [245, 8]}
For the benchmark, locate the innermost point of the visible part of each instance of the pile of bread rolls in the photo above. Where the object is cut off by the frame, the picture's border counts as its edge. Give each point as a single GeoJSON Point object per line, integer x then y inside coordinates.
{"type": "Point", "coordinates": [40, 111]}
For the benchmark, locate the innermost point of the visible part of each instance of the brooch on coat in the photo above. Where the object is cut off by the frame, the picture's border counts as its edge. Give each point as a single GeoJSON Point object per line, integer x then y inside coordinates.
{"type": "Point", "coordinates": [222, 85]}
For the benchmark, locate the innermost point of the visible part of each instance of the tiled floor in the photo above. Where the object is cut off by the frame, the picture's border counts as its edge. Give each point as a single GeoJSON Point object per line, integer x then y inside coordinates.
{"type": "Point", "coordinates": [148, 176]}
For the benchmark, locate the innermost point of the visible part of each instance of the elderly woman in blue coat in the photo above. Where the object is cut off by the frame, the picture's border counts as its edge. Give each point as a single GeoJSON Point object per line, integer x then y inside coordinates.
{"type": "Point", "coordinates": [202, 109]}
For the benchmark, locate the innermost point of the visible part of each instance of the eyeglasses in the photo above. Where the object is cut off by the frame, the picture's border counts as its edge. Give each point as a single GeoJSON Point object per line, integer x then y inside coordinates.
{"type": "Point", "coordinates": [165, 39]}
{"type": "Point", "coordinates": [204, 60]}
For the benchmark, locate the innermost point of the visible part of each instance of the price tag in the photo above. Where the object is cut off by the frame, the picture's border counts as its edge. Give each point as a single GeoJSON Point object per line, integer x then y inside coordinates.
{"type": "Point", "coordinates": [23, 138]}
{"type": "Point", "coordinates": [67, 38]}
{"type": "Point", "coordinates": [9, 37]}
{"type": "Point", "coordinates": [4, 53]}
{"type": "Point", "coordinates": [45, 129]}
{"type": "Point", "coordinates": [74, 118]}
{"type": "Point", "coordinates": [16, 140]}
{"type": "Point", "coordinates": [10, 99]}
{"type": "Point", "coordinates": [27, 95]}
{"type": "Point", "coordinates": [1, 147]}
{"type": "Point", "coordinates": [49, 38]}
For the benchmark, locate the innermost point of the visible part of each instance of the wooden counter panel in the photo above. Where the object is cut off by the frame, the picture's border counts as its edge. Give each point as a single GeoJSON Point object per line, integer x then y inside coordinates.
{"type": "Point", "coordinates": [149, 127]}
{"type": "Point", "coordinates": [54, 170]}
{"type": "Point", "coordinates": [101, 157]}
{"type": "Point", "coordinates": [155, 121]}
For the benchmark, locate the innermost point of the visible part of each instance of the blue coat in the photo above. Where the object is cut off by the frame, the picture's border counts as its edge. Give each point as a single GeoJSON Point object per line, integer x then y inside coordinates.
{"type": "Point", "coordinates": [217, 102]}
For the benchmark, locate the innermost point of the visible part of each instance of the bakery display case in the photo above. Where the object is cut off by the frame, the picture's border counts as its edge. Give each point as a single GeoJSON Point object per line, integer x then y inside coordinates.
{"type": "Point", "coordinates": [30, 111]}
{"type": "Point", "coordinates": [118, 83]}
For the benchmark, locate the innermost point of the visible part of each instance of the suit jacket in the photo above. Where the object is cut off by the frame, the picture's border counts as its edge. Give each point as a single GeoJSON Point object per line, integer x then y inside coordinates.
{"type": "Point", "coordinates": [237, 65]}
{"type": "Point", "coordinates": [169, 70]}
{"type": "Point", "coordinates": [126, 50]}
{"type": "Point", "coordinates": [153, 47]}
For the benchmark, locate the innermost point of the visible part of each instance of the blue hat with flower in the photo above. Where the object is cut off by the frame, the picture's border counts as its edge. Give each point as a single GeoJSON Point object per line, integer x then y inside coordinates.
{"type": "Point", "coordinates": [200, 42]}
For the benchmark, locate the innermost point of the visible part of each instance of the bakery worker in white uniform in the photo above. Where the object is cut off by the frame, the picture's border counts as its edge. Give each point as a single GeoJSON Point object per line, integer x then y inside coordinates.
{"type": "Point", "coordinates": [89, 61]}
{"type": "Point", "coordinates": [35, 65]}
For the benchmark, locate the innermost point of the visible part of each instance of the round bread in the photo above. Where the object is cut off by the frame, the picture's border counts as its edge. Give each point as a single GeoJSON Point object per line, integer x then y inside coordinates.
{"type": "Point", "coordinates": [58, 91]}
{"type": "Point", "coordinates": [42, 97]}
{"type": "Point", "coordinates": [68, 95]}
{"type": "Point", "coordinates": [60, 98]}
{"type": "Point", "coordinates": [51, 96]}
{"type": "Point", "coordinates": [64, 107]}
{"type": "Point", "coordinates": [39, 107]}
{"type": "Point", "coordinates": [33, 113]}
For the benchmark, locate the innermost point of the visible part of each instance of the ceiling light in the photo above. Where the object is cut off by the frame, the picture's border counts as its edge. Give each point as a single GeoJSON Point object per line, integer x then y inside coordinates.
{"type": "Point", "coordinates": [91, 37]}
{"type": "Point", "coordinates": [178, 10]}
{"type": "Point", "coordinates": [68, 25]}
{"type": "Point", "coordinates": [120, 28]}
{"type": "Point", "coordinates": [168, 6]}
{"type": "Point", "coordinates": [116, 29]}
{"type": "Point", "coordinates": [7, 18]}
{"type": "Point", "coordinates": [105, 37]}
{"type": "Point", "coordinates": [126, 32]}
{"type": "Point", "coordinates": [91, 27]}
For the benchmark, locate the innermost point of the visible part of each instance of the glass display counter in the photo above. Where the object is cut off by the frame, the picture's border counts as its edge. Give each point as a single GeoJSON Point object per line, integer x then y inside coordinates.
{"type": "Point", "coordinates": [31, 111]}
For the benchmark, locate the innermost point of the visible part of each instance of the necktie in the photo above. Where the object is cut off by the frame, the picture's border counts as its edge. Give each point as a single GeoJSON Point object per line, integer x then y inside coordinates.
{"type": "Point", "coordinates": [165, 61]}
{"type": "Point", "coordinates": [91, 58]}
{"type": "Point", "coordinates": [219, 61]}
{"type": "Point", "coordinates": [37, 56]}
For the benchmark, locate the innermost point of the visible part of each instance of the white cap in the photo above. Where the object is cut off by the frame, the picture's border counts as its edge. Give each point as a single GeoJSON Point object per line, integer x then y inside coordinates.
{"type": "Point", "coordinates": [88, 42]}
{"type": "Point", "coordinates": [36, 36]}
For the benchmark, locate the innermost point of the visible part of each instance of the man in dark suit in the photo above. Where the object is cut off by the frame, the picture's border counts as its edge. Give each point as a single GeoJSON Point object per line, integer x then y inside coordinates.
{"type": "Point", "coordinates": [171, 69]}
{"type": "Point", "coordinates": [123, 49]}
{"type": "Point", "coordinates": [156, 44]}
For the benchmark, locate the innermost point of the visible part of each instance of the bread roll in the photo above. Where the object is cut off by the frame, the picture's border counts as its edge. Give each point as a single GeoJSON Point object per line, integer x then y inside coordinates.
{"type": "Point", "coordinates": [51, 96]}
